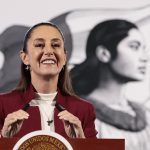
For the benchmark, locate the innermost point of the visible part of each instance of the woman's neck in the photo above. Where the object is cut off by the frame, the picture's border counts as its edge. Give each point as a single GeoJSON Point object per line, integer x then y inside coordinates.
{"type": "Point", "coordinates": [109, 91]}
{"type": "Point", "coordinates": [45, 85]}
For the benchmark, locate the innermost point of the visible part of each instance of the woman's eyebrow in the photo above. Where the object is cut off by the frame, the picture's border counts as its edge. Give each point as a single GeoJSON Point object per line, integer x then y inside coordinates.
{"type": "Point", "coordinates": [39, 39]}
{"type": "Point", "coordinates": [55, 40]}
{"type": "Point", "coordinates": [136, 42]}
{"type": "Point", "coordinates": [51, 40]}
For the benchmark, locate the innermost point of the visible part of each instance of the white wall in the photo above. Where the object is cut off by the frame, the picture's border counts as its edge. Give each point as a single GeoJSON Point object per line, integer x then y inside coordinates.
{"type": "Point", "coordinates": [33, 11]}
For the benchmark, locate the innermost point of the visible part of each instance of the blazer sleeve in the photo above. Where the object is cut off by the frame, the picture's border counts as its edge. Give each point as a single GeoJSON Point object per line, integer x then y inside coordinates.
{"type": "Point", "coordinates": [1, 113]}
{"type": "Point", "coordinates": [89, 123]}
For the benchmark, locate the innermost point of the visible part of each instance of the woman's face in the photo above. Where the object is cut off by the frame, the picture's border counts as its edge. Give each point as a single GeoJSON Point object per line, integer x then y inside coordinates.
{"type": "Point", "coordinates": [131, 60]}
{"type": "Point", "coordinates": [45, 52]}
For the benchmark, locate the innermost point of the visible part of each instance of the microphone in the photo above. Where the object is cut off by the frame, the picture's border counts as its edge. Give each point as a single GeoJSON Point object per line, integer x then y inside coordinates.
{"type": "Point", "coordinates": [26, 107]}
{"type": "Point", "coordinates": [61, 108]}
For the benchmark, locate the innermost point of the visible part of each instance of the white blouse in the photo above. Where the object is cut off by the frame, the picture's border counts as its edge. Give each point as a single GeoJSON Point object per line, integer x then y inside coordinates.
{"type": "Point", "coordinates": [46, 104]}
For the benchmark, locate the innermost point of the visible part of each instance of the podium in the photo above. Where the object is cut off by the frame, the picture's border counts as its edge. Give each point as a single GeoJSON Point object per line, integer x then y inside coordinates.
{"type": "Point", "coordinates": [77, 144]}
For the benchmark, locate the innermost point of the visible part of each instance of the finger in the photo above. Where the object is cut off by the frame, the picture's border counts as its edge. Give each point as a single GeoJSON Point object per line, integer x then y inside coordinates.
{"type": "Point", "coordinates": [63, 113]}
{"type": "Point", "coordinates": [21, 113]}
{"type": "Point", "coordinates": [20, 116]}
{"type": "Point", "coordinates": [13, 117]}
{"type": "Point", "coordinates": [9, 121]}
{"type": "Point", "coordinates": [70, 118]}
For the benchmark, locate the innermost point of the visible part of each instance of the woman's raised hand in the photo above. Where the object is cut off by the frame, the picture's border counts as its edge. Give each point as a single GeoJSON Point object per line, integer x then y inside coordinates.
{"type": "Point", "coordinates": [13, 123]}
{"type": "Point", "coordinates": [72, 124]}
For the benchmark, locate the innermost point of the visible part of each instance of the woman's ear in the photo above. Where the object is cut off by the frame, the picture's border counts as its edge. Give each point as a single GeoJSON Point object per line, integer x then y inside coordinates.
{"type": "Point", "coordinates": [24, 57]}
{"type": "Point", "coordinates": [65, 58]}
{"type": "Point", "coordinates": [103, 54]}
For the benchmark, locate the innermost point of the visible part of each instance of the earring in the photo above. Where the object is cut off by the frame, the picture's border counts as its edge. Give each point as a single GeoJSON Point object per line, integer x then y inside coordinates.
{"type": "Point", "coordinates": [63, 68]}
{"type": "Point", "coordinates": [27, 67]}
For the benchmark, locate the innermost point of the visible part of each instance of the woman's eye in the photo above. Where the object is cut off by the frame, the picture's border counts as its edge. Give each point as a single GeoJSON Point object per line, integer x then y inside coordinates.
{"type": "Point", "coordinates": [39, 45]}
{"type": "Point", "coordinates": [56, 45]}
{"type": "Point", "coordinates": [134, 47]}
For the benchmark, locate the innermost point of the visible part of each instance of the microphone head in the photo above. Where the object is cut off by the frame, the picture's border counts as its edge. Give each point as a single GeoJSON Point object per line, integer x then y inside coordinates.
{"type": "Point", "coordinates": [59, 107]}
{"type": "Point", "coordinates": [26, 107]}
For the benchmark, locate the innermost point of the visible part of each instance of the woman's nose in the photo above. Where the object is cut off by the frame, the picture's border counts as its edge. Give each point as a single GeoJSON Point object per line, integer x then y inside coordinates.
{"type": "Point", "coordinates": [145, 57]}
{"type": "Point", "coordinates": [48, 50]}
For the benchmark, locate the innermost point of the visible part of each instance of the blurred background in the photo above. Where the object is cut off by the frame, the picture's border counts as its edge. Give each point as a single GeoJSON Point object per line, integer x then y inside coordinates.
{"type": "Point", "coordinates": [75, 18]}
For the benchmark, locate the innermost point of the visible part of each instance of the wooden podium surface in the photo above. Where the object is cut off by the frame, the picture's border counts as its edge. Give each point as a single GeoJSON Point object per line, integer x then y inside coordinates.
{"type": "Point", "coordinates": [77, 144]}
{"type": "Point", "coordinates": [97, 144]}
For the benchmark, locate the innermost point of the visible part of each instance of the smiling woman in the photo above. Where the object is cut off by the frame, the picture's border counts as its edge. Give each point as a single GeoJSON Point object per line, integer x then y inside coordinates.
{"type": "Point", "coordinates": [45, 81]}
{"type": "Point", "coordinates": [46, 56]}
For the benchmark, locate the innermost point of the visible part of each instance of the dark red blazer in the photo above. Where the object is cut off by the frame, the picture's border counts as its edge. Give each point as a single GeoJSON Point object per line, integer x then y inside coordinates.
{"type": "Point", "coordinates": [16, 100]}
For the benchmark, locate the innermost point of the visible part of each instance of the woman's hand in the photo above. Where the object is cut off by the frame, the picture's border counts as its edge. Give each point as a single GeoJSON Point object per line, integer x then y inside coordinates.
{"type": "Point", "coordinates": [70, 121]}
{"type": "Point", "coordinates": [13, 123]}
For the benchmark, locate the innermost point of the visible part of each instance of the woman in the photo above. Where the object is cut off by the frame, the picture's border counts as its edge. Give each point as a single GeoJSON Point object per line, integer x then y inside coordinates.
{"type": "Point", "coordinates": [45, 82]}
{"type": "Point", "coordinates": [115, 55]}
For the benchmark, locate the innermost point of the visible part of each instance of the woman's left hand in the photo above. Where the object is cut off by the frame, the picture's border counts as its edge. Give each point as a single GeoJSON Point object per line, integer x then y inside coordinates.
{"type": "Point", "coordinates": [70, 121]}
